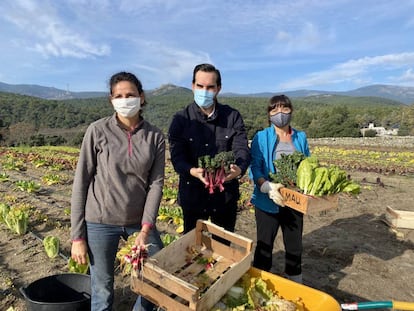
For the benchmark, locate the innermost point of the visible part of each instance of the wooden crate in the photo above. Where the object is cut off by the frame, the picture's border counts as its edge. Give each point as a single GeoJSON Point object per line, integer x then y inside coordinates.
{"type": "Point", "coordinates": [176, 278]}
{"type": "Point", "coordinates": [308, 204]}
{"type": "Point", "coordinates": [399, 219]}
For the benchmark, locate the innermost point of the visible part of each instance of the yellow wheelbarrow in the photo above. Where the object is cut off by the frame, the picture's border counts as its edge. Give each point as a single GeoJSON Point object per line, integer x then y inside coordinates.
{"type": "Point", "coordinates": [312, 299]}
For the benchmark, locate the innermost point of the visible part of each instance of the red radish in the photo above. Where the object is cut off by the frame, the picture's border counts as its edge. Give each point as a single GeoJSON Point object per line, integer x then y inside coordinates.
{"type": "Point", "coordinates": [137, 256]}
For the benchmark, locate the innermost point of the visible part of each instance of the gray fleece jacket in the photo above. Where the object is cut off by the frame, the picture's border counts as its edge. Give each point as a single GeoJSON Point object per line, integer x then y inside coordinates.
{"type": "Point", "coordinates": [119, 176]}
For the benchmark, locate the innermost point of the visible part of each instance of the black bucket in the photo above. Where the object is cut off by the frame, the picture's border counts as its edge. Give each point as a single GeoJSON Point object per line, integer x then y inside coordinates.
{"type": "Point", "coordinates": [60, 292]}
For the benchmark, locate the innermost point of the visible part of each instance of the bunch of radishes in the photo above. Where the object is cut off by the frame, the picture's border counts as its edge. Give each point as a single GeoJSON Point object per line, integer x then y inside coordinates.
{"type": "Point", "coordinates": [137, 256]}
{"type": "Point", "coordinates": [216, 167]}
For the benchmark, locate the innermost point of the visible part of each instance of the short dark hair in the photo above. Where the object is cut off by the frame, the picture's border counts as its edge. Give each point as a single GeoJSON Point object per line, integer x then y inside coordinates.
{"type": "Point", "coordinates": [125, 76]}
{"type": "Point", "coordinates": [207, 68]}
{"type": "Point", "coordinates": [279, 100]}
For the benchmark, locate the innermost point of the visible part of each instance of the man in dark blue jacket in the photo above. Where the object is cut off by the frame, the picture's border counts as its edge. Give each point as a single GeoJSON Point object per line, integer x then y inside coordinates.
{"type": "Point", "coordinates": [206, 127]}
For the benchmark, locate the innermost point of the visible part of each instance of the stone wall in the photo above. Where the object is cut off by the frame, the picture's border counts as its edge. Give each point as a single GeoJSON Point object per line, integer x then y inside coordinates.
{"type": "Point", "coordinates": [406, 142]}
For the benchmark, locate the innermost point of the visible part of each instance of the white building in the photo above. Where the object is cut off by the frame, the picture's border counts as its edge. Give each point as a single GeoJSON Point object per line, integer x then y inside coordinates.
{"type": "Point", "coordinates": [380, 130]}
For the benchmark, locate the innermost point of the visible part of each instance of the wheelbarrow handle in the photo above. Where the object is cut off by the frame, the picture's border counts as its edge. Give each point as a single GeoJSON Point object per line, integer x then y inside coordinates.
{"type": "Point", "coordinates": [400, 305]}
{"type": "Point", "coordinates": [366, 305]}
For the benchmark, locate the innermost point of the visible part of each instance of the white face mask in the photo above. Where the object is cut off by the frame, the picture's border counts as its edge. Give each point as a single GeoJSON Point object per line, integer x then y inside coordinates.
{"type": "Point", "coordinates": [127, 107]}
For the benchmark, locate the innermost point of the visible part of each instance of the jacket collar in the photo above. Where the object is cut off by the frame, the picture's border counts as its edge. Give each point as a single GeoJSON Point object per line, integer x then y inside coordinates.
{"type": "Point", "coordinates": [213, 116]}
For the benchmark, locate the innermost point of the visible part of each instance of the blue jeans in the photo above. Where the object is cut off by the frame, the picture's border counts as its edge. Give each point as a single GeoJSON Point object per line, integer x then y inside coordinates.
{"type": "Point", "coordinates": [103, 243]}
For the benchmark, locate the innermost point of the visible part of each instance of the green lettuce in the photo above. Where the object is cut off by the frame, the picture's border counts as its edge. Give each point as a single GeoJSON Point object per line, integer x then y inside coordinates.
{"type": "Point", "coordinates": [351, 187]}
{"type": "Point", "coordinates": [74, 267]}
{"type": "Point", "coordinates": [51, 245]}
{"type": "Point", "coordinates": [318, 180]}
{"type": "Point", "coordinates": [321, 175]}
{"type": "Point", "coordinates": [4, 210]}
{"type": "Point", "coordinates": [17, 220]}
{"type": "Point", "coordinates": [306, 174]}
{"type": "Point", "coordinates": [337, 177]}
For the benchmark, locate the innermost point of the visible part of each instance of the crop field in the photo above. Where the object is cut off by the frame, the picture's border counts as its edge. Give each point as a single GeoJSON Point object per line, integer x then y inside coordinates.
{"type": "Point", "coordinates": [36, 184]}
{"type": "Point", "coordinates": [31, 173]}
{"type": "Point", "coordinates": [35, 171]}
{"type": "Point", "coordinates": [389, 162]}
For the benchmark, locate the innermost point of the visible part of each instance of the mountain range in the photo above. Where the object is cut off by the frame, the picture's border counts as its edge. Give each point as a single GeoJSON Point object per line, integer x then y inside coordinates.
{"type": "Point", "coordinates": [402, 94]}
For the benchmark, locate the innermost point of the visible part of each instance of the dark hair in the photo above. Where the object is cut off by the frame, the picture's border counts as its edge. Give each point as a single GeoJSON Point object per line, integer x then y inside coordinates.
{"type": "Point", "coordinates": [125, 76]}
{"type": "Point", "coordinates": [207, 68]}
{"type": "Point", "coordinates": [279, 100]}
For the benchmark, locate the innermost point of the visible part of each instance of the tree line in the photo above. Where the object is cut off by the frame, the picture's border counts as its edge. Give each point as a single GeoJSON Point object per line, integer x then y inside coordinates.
{"type": "Point", "coordinates": [33, 121]}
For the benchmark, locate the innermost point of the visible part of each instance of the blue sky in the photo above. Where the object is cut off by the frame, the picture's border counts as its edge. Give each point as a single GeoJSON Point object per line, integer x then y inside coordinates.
{"type": "Point", "coordinates": [258, 45]}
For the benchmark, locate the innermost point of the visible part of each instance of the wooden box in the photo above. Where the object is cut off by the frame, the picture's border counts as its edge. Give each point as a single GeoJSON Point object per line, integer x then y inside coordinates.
{"type": "Point", "coordinates": [195, 271]}
{"type": "Point", "coordinates": [308, 204]}
{"type": "Point", "coordinates": [399, 219]}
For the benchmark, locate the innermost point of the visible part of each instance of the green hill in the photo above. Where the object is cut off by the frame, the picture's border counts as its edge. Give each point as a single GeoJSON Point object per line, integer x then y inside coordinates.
{"type": "Point", "coordinates": [24, 117]}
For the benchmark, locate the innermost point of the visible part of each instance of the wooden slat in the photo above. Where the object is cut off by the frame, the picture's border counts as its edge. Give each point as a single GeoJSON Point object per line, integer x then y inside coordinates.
{"type": "Point", "coordinates": [308, 204]}
{"type": "Point", "coordinates": [173, 256]}
{"type": "Point", "coordinates": [190, 274]}
{"type": "Point", "coordinates": [218, 269]}
{"type": "Point", "coordinates": [170, 282]}
{"type": "Point", "coordinates": [232, 252]}
{"type": "Point", "coordinates": [159, 298]}
{"type": "Point", "coordinates": [399, 219]}
{"type": "Point", "coordinates": [227, 235]}
{"type": "Point", "coordinates": [227, 280]}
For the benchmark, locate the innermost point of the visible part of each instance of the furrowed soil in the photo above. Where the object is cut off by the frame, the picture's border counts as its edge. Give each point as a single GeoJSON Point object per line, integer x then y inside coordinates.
{"type": "Point", "coordinates": [349, 253]}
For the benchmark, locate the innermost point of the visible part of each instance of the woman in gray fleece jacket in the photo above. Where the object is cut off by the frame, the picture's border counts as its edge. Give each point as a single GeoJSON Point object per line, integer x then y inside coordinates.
{"type": "Point", "coordinates": [117, 187]}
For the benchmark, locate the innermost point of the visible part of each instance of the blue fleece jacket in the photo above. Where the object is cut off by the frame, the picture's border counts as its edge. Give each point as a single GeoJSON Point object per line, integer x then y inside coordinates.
{"type": "Point", "coordinates": [262, 151]}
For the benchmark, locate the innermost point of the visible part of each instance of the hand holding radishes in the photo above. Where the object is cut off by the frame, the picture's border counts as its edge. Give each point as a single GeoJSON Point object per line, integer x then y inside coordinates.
{"type": "Point", "coordinates": [131, 256]}
{"type": "Point", "coordinates": [137, 256]}
{"type": "Point", "coordinates": [199, 173]}
{"type": "Point", "coordinates": [139, 251]}
{"type": "Point", "coordinates": [234, 172]}
{"type": "Point", "coordinates": [217, 170]}
{"type": "Point", "coordinates": [141, 238]}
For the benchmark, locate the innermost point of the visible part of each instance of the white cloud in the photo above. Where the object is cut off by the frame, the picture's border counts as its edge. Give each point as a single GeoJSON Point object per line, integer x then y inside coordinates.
{"type": "Point", "coordinates": [406, 78]}
{"type": "Point", "coordinates": [389, 60]}
{"type": "Point", "coordinates": [142, 6]}
{"type": "Point", "coordinates": [307, 38]}
{"type": "Point", "coordinates": [46, 33]}
{"type": "Point", "coordinates": [60, 41]}
{"type": "Point", "coordinates": [170, 64]}
{"type": "Point", "coordinates": [353, 71]}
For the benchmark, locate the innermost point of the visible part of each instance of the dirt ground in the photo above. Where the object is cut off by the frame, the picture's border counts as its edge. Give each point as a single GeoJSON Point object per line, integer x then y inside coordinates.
{"type": "Point", "coordinates": [349, 252]}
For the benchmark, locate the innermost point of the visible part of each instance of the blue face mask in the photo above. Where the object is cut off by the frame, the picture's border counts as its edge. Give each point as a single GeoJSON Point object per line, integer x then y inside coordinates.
{"type": "Point", "coordinates": [203, 98]}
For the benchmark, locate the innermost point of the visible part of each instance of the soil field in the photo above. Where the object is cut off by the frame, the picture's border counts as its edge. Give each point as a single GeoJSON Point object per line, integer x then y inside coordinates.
{"type": "Point", "coordinates": [350, 253]}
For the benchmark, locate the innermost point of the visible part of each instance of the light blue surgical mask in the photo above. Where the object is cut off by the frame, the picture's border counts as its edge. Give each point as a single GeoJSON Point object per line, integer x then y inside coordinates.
{"type": "Point", "coordinates": [203, 98]}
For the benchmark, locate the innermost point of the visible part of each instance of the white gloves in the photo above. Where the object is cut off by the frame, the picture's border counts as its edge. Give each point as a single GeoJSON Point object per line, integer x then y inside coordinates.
{"type": "Point", "coordinates": [273, 190]}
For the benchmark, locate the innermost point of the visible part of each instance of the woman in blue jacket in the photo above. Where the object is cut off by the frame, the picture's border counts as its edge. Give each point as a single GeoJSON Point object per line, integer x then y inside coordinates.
{"type": "Point", "coordinates": [268, 145]}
